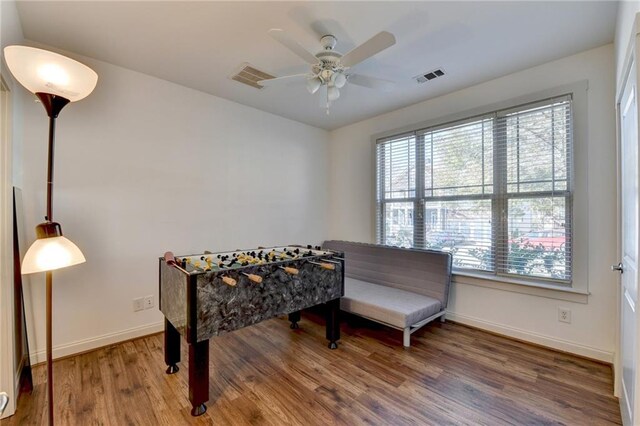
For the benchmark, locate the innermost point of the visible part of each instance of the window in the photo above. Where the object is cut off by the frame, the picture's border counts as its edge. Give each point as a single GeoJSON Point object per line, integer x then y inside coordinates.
{"type": "Point", "coordinates": [494, 190]}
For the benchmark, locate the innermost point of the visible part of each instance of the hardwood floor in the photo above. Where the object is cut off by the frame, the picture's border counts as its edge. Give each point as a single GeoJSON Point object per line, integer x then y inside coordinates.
{"type": "Point", "coordinates": [268, 374]}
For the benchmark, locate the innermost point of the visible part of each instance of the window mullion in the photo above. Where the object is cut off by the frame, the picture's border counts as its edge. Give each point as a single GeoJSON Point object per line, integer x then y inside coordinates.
{"type": "Point", "coordinates": [499, 202]}
{"type": "Point", "coordinates": [418, 205]}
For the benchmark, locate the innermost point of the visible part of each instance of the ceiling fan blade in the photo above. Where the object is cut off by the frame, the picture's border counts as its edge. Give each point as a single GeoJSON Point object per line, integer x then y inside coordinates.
{"type": "Point", "coordinates": [286, 40]}
{"type": "Point", "coordinates": [370, 82]}
{"type": "Point", "coordinates": [284, 81]}
{"type": "Point", "coordinates": [375, 44]}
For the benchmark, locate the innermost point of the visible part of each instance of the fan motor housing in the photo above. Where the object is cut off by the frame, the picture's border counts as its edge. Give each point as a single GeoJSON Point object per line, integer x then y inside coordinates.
{"type": "Point", "coordinates": [329, 56]}
{"type": "Point", "coordinates": [328, 42]}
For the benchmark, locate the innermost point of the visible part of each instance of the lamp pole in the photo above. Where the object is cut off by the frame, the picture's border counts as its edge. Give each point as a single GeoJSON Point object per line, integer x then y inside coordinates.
{"type": "Point", "coordinates": [53, 104]}
{"type": "Point", "coordinates": [49, 279]}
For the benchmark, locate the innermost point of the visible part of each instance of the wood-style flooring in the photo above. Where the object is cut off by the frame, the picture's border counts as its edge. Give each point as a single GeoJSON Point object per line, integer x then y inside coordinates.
{"type": "Point", "coordinates": [268, 374]}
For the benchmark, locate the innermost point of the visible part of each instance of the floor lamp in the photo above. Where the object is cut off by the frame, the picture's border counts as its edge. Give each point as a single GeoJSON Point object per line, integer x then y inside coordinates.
{"type": "Point", "coordinates": [56, 80]}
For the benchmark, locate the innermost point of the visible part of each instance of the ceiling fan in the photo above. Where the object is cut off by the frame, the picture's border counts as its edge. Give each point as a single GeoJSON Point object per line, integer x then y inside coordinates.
{"type": "Point", "coordinates": [330, 70]}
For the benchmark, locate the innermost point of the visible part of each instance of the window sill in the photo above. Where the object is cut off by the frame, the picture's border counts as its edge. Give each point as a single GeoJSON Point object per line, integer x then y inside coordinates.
{"type": "Point", "coordinates": [540, 289]}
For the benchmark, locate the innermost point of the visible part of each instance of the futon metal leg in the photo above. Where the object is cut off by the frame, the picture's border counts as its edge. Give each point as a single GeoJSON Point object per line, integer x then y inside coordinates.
{"type": "Point", "coordinates": [171, 347]}
{"type": "Point", "coordinates": [199, 376]}
{"type": "Point", "coordinates": [294, 317]}
{"type": "Point", "coordinates": [406, 337]}
{"type": "Point", "coordinates": [442, 318]}
{"type": "Point", "coordinates": [333, 323]}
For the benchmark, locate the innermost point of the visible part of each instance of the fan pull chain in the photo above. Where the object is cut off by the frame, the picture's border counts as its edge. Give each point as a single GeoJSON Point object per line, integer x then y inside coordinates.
{"type": "Point", "coordinates": [327, 101]}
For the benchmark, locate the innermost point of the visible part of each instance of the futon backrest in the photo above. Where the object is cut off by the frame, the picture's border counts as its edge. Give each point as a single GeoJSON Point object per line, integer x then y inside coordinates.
{"type": "Point", "coordinates": [426, 272]}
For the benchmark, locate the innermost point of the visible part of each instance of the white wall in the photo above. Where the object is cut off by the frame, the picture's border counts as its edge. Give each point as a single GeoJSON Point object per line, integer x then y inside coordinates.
{"type": "Point", "coordinates": [592, 331]}
{"type": "Point", "coordinates": [143, 166]}
{"type": "Point", "coordinates": [11, 33]}
{"type": "Point", "coordinates": [626, 15]}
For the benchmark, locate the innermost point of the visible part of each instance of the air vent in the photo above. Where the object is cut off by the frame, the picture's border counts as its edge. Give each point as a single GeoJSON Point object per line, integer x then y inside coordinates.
{"type": "Point", "coordinates": [250, 76]}
{"type": "Point", "coordinates": [423, 78]}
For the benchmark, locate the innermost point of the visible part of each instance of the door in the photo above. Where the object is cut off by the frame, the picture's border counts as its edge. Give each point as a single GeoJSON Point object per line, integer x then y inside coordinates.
{"type": "Point", "coordinates": [628, 113]}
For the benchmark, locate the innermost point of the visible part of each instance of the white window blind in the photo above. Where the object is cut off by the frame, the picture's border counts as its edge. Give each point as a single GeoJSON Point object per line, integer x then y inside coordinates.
{"type": "Point", "coordinates": [494, 190]}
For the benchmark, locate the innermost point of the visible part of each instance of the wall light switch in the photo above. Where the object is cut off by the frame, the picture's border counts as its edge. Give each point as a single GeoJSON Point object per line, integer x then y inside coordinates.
{"type": "Point", "coordinates": [138, 304]}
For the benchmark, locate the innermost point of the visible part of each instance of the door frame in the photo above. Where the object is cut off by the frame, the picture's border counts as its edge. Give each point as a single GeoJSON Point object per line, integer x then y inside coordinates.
{"type": "Point", "coordinates": [632, 55]}
{"type": "Point", "coordinates": [8, 381]}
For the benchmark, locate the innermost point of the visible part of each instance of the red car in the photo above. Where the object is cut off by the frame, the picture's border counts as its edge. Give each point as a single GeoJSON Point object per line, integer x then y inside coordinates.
{"type": "Point", "coordinates": [549, 240]}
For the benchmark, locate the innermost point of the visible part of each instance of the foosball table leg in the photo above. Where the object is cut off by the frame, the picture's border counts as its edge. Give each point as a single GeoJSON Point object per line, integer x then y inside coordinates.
{"type": "Point", "coordinates": [199, 376]}
{"type": "Point", "coordinates": [294, 317]}
{"type": "Point", "coordinates": [333, 323]}
{"type": "Point", "coordinates": [171, 347]}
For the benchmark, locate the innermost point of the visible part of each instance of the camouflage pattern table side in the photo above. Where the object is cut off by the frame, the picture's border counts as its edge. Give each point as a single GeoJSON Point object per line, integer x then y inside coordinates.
{"type": "Point", "coordinates": [222, 308]}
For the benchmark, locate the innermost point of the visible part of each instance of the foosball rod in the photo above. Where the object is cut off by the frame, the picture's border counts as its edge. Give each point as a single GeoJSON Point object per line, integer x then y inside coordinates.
{"type": "Point", "coordinates": [281, 253]}
{"type": "Point", "coordinates": [328, 266]}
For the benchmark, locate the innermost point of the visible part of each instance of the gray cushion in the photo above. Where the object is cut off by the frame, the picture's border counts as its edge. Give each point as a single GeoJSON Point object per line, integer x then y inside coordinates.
{"type": "Point", "coordinates": [387, 304]}
{"type": "Point", "coordinates": [425, 272]}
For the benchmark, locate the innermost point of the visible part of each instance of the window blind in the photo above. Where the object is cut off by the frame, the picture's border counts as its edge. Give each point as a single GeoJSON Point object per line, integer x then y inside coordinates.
{"type": "Point", "coordinates": [396, 159]}
{"type": "Point", "coordinates": [536, 149]}
{"type": "Point", "coordinates": [494, 190]}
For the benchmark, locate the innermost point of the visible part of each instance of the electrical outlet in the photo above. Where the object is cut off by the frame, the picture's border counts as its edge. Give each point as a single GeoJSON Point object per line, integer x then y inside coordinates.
{"type": "Point", "coordinates": [564, 315]}
{"type": "Point", "coordinates": [148, 302]}
{"type": "Point", "coordinates": [138, 304]}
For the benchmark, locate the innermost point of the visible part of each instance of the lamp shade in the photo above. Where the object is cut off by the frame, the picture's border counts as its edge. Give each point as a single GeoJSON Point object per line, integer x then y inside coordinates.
{"type": "Point", "coordinates": [47, 254]}
{"type": "Point", "coordinates": [313, 84]}
{"type": "Point", "coordinates": [338, 79]}
{"type": "Point", "coordinates": [333, 93]}
{"type": "Point", "coordinates": [41, 71]}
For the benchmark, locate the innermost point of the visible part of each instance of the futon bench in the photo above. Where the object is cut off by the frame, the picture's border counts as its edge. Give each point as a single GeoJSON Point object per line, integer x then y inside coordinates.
{"type": "Point", "coordinates": [401, 288]}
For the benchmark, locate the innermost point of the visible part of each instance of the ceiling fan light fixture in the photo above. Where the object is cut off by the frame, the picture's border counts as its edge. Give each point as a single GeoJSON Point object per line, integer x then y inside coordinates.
{"type": "Point", "coordinates": [326, 75]}
{"type": "Point", "coordinates": [339, 80]}
{"type": "Point", "coordinates": [333, 93]}
{"type": "Point", "coordinates": [313, 84]}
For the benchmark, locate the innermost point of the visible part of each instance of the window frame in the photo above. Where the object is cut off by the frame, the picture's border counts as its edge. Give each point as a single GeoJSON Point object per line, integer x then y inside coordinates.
{"type": "Point", "coordinates": [578, 209]}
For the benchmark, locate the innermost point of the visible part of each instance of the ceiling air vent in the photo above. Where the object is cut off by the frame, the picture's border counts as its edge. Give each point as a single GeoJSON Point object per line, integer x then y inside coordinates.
{"type": "Point", "coordinates": [422, 78]}
{"type": "Point", "coordinates": [250, 76]}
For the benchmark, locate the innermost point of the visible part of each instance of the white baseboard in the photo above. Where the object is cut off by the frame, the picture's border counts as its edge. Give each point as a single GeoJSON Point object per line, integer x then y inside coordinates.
{"type": "Point", "coordinates": [540, 339]}
{"type": "Point", "coordinates": [517, 333]}
{"type": "Point", "coordinates": [85, 345]}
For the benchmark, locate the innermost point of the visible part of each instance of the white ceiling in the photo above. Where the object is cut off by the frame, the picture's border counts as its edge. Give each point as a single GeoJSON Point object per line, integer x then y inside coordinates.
{"type": "Point", "coordinates": [199, 44]}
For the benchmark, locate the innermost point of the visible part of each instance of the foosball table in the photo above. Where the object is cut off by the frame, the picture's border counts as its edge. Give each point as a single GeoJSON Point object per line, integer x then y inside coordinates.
{"type": "Point", "coordinates": [205, 295]}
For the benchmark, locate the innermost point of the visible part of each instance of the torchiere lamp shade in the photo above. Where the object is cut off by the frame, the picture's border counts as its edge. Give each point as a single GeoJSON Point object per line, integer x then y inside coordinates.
{"type": "Point", "coordinates": [41, 71]}
{"type": "Point", "coordinates": [50, 251]}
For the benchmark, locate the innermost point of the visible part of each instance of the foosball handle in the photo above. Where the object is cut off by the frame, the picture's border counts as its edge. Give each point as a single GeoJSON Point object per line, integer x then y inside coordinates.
{"type": "Point", "coordinates": [255, 278]}
{"type": "Point", "coordinates": [169, 258]}
{"type": "Point", "coordinates": [325, 265]}
{"type": "Point", "coordinates": [229, 281]}
{"type": "Point", "coordinates": [290, 270]}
